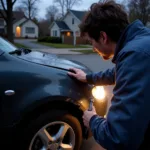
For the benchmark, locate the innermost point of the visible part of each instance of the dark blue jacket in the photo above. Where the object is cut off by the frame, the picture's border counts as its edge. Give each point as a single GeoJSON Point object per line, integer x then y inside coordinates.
{"type": "Point", "coordinates": [127, 124]}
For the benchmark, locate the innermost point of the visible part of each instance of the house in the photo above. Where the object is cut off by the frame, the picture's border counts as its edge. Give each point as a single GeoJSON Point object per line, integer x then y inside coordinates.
{"type": "Point", "coordinates": [68, 26]}
{"type": "Point", "coordinates": [22, 27]}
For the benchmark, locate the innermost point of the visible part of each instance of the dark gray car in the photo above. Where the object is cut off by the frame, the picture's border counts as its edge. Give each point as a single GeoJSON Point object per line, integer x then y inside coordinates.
{"type": "Point", "coordinates": [41, 107]}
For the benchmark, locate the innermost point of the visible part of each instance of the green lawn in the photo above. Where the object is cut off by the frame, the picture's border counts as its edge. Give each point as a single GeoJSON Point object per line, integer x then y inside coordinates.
{"type": "Point", "coordinates": [20, 45]}
{"type": "Point", "coordinates": [62, 45]}
{"type": "Point", "coordinates": [84, 51]}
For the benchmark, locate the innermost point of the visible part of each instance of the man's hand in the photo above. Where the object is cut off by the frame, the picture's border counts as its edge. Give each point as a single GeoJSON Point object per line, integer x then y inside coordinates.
{"type": "Point", "coordinates": [87, 116]}
{"type": "Point", "coordinates": [79, 74]}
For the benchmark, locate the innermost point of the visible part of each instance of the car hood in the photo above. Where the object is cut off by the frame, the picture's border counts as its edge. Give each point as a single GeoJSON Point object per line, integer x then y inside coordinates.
{"type": "Point", "coordinates": [53, 60]}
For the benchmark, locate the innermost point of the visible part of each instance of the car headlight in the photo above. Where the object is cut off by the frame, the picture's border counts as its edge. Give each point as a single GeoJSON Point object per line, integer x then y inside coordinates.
{"type": "Point", "coordinates": [98, 92]}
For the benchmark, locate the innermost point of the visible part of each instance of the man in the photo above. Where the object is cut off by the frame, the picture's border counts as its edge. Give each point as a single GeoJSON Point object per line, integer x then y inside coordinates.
{"type": "Point", "coordinates": [127, 124]}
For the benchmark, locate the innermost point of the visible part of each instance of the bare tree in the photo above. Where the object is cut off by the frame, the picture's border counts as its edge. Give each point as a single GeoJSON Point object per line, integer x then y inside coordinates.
{"type": "Point", "coordinates": [61, 4]}
{"type": "Point", "coordinates": [20, 9]}
{"type": "Point", "coordinates": [70, 3]}
{"type": "Point", "coordinates": [1, 7]}
{"type": "Point", "coordinates": [44, 28]}
{"type": "Point", "coordinates": [7, 14]}
{"type": "Point", "coordinates": [30, 7]}
{"type": "Point", "coordinates": [139, 9]}
{"type": "Point", "coordinates": [51, 13]}
{"type": "Point", "coordinates": [66, 4]}
{"type": "Point", "coordinates": [102, 1]}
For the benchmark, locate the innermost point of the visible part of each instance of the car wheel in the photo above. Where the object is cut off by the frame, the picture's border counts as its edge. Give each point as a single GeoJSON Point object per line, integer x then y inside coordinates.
{"type": "Point", "coordinates": [54, 130]}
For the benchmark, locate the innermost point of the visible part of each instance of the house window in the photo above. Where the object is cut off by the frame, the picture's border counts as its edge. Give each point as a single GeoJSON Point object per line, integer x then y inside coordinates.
{"type": "Point", "coordinates": [30, 30]}
{"type": "Point", "coordinates": [54, 32]}
{"type": "Point", "coordinates": [72, 20]}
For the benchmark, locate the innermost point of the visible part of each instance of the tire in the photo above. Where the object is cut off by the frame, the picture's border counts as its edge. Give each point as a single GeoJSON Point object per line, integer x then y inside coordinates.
{"type": "Point", "coordinates": [48, 118]}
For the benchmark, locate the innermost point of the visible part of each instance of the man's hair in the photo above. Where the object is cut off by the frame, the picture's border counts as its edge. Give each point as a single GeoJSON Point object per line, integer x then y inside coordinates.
{"type": "Point", "coordinates": [108, 16]}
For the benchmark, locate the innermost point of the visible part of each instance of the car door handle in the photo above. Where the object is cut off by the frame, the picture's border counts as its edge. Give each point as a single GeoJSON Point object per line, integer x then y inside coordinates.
{"type": "Point", "coordinates": [9, 92]}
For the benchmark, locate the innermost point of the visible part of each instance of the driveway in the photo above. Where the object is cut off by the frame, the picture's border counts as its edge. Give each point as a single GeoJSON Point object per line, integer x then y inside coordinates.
{"type": "Point", "coordinates": [96, 64]}
{"type": "Point", "coordinates": [31, 43]}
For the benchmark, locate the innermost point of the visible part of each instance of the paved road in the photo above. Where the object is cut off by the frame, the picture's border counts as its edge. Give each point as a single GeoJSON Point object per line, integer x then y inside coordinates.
{"type": "Point", "coordinates": [95, 63]}
{"type": "Point", "coordinates": [30, 43]}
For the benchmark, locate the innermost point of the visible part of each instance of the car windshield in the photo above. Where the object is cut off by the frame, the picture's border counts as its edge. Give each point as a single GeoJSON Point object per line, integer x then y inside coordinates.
{"type": "Point", "coordinates": [6, 46]}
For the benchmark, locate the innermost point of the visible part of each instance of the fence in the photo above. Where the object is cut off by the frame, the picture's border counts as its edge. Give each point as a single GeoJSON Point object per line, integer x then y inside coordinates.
{"type": "Point", "coordinates": [70, 40]}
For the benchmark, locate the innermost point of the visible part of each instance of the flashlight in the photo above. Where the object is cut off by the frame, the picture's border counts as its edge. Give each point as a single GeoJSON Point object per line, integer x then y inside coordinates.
{"type": "Point", "coordinates": [90, 109]}
{"type": "Point", "coordinates": [98, 94]}
{"type": "Point", "coordinates": [91, 104]}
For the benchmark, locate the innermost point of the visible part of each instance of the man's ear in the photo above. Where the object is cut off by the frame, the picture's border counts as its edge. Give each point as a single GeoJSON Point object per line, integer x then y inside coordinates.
{"type": "Point", "coordinates": [103, 37]}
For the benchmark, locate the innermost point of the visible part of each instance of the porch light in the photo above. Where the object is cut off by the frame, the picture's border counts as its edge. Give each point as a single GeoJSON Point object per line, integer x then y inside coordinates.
{"type": "Point", "coordinates": [18, 31]}
{"type": "Point", "coordinates": [68, 33]}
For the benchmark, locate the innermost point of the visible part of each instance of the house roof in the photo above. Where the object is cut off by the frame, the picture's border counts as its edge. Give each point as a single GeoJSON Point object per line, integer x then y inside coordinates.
{"type": "Point", "coordinates": [17, 15]}
{"type": "Point", "coordinates": [62, 25]}
{"type": "Point", "coordinates": [79, 14]}
{"type": "Point", "coordinates": [21, 24]}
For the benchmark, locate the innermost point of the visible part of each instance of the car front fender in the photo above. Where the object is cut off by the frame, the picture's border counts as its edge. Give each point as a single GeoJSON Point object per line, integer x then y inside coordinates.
{"type": "Point", "coordinates": [70, 93]}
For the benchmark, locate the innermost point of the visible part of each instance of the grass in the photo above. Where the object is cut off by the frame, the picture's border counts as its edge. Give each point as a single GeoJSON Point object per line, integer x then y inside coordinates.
{"type": "Point", "coordinates": [20, 45]}
{"type": "Point", "coordinates": [84, 51]}
{"type": "Point", "coordinates": [62, 45]}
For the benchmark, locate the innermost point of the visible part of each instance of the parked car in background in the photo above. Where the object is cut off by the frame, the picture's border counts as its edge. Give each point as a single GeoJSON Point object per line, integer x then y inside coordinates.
{"type": "Point", "coordinates": [41, 107]}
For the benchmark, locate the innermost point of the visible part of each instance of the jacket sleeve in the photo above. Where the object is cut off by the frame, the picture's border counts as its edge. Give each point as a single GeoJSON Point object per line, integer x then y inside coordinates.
{"type": "Point", "coordinates": [102, 78]}
{"type": "Point", "coordinates": [129, 114]}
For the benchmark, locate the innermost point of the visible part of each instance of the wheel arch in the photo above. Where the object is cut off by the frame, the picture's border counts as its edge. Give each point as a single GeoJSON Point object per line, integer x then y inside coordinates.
{"type": "Point", "coordinates": [71, 108]}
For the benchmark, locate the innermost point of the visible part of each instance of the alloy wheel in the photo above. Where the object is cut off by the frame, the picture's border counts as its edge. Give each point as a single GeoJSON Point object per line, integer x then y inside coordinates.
{"type": "Point", "coordinates": [54, 136]}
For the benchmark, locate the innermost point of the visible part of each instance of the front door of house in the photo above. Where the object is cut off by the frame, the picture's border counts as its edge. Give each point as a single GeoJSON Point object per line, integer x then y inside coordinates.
{"type": "Point", "coordinates": [18, 31]}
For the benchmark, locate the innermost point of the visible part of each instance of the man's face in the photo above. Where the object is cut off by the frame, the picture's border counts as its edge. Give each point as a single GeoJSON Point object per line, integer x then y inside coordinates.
{"type": "Point", "coordinates": [104, 47]}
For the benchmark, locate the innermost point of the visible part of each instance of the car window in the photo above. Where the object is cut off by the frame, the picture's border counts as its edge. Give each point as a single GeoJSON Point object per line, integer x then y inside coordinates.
{"type": "Point", "coordinates": [6, 46]}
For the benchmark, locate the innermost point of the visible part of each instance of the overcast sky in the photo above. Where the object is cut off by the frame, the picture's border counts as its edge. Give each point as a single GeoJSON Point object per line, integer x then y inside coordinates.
{"type": "Point", "coordinates": [83, 6]}
{"type": "Point", "coordinates": [45, 3]}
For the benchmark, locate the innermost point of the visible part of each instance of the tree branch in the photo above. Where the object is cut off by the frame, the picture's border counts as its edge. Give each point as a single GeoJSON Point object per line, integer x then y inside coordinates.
{"type": "Point", "coordinates": [33, 2]}
{"type": "Point", "coordinates": [3, 5]}
{"type": "Point", "coordinates": [5, 18]}
{"type": "Point", "coordinates": [3, 14]}
{"type": "Point", "coordinates": [14, 2]}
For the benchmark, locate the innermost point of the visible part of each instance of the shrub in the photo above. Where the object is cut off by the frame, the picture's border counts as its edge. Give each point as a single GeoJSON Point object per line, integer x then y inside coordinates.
{"type": "Point", "coordinates": [50, 39]}
{"type": "Point", "coordinates": [42, 39]}
{"type": "Point", "coordinates": [26, 37]}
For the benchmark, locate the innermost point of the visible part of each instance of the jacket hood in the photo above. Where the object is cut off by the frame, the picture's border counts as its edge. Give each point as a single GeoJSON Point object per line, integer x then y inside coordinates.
{"type": "Point", "coordinates": [129, 33]}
